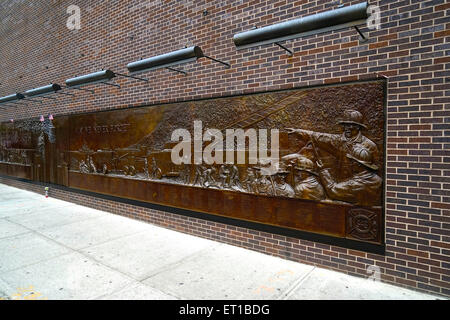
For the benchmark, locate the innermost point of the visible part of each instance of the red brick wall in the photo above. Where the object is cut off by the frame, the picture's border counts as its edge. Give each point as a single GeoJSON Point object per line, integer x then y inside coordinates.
{"type": "Point", "coordinates": [411, 48]}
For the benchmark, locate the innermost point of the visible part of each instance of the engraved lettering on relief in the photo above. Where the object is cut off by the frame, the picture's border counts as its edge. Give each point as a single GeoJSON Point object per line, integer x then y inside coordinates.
{"type": "Point", "coordinates": [104, 129]}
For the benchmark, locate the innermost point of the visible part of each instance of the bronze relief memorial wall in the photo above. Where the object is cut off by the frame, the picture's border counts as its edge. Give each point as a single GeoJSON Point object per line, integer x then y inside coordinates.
{"type": "Point", "coordinates": [329, 181]}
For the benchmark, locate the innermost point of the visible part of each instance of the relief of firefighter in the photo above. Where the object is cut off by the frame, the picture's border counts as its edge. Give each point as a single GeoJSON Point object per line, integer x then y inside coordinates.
{"type": "Point", "coordinates": [352, 176]}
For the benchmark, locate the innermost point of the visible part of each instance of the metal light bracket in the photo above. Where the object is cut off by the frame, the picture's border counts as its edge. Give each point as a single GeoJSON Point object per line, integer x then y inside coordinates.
{"type": "Point", "coordinates": [132, 77]}
{"type": "Point", "coordinates": [176, 70]}
{"type": "Point", "coordinates": [111, 84]}
{"type": "Point", "coordinates": [91, 91]}
{"type": "Point", "coordinates": [363, 37]}
{"type": "Point", "coordinates": [289, 52]}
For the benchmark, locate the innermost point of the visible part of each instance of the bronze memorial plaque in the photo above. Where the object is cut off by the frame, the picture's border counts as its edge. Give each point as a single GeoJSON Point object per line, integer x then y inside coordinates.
{"type": "Point", "coordinates": [309, 159]}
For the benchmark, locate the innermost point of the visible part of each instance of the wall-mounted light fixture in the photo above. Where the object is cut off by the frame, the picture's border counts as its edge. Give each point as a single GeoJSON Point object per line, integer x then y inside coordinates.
{"type": "Point", "coordinates": [97, 77]}
{"type": "Point", "coordinates": [42, 92]}
{"type": "Point", "coordinates": [341, 18]}
{"type": "Point", "coordinates": [170, 59]}
{"type": "Point", "coordinates": [12, 99]}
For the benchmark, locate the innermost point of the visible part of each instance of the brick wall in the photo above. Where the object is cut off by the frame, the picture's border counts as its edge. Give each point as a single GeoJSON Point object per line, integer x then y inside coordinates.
{"type": "Point", "coordinates": [411, 48]}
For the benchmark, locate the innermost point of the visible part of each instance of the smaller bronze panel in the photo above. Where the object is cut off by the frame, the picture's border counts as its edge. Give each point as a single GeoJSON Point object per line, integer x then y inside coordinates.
{"type": "Point", "coordinates": [364, 224]}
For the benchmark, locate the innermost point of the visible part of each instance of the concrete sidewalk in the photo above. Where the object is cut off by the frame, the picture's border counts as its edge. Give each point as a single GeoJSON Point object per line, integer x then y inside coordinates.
{"type": "Point", "coordinates": [51, 249]}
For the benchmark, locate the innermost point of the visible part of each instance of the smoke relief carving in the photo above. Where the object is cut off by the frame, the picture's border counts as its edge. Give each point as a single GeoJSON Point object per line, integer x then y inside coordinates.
{"type": "Point", "coordinates": [329, 178]}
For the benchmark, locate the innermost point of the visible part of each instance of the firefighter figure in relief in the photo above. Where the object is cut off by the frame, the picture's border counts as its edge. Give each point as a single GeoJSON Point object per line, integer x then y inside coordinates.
{"type": "Point", "coordinates": [353, 178]}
